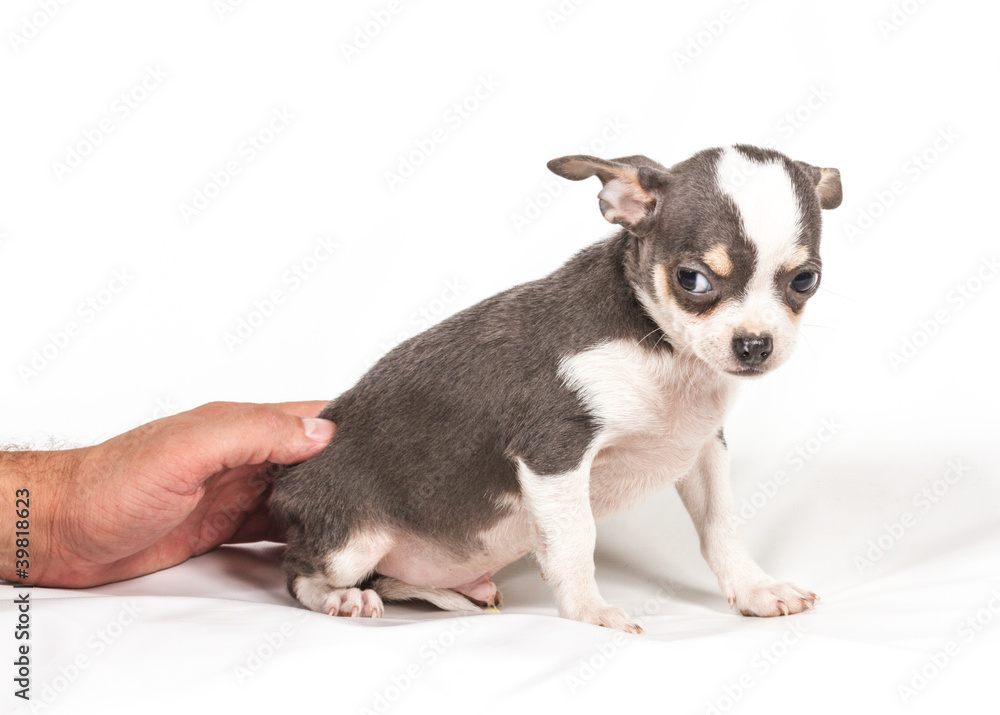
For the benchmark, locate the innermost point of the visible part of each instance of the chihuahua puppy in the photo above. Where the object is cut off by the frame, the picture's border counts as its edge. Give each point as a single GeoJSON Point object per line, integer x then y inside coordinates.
{"type": "Point", "coordinates": [511, 426]}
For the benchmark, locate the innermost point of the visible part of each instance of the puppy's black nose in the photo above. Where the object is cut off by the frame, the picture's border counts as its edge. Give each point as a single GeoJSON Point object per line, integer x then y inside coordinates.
{"type": "Point", "coordinates": [752, 349]}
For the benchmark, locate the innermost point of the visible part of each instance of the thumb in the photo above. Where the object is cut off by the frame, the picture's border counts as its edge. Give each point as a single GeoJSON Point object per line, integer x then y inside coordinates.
{"type": "Point", "coordinates": [255, 434]}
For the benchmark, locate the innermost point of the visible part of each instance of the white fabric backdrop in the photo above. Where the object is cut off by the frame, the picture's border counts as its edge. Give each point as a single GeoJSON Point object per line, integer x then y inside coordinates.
{"type": "Point", "coordinates": [219, 633]}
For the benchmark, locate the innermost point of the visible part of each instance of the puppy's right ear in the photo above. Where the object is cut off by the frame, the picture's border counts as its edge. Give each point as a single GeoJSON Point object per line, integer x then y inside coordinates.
{"type": "Point", "coordinates": [628, 195]}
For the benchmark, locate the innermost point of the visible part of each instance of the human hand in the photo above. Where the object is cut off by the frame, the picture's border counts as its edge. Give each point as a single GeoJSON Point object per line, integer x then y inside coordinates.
{"type": "Point", "coordinates": [161, 493]}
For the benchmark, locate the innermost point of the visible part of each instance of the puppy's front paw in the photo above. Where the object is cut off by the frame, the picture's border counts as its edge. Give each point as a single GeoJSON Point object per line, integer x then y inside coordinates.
{"type": "Point", "coordinates": [771, 598]}
{"type": "Point", "coordinates": [607, 616]}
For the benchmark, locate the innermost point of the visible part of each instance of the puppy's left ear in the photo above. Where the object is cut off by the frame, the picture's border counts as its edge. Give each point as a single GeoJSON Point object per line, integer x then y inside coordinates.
{"type": "Point", "coordinates": [827, 183]}
{"type": "Point", "coordinates": [630, 184]}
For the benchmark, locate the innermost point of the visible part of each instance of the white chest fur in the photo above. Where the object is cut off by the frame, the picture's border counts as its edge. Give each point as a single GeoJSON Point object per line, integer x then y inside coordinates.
{"type": "Point", "coordinates": [656, 412]}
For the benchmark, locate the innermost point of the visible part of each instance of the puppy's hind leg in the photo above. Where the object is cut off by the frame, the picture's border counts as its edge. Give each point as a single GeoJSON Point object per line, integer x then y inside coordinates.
{"type": "Point", "coordinates": [334, 589]}
{"type": "Point", "coordinates": [316, 593]}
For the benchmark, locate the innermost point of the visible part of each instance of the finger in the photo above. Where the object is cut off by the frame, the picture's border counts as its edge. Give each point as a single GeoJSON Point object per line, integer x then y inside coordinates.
{"type": "Point", "coordinates": [211, 409]}
{"type": "Point", "coordinates": [300, 408]}
{"type": "Point", "coordinates": [254, 434]}
{"type": "Point", "coordinates": [308, 408]}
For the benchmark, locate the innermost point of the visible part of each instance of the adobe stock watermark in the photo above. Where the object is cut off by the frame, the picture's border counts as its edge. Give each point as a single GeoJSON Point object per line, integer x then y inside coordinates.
{"type": "Point", "coordinates": [227, 518]}
{"type": "Point", "coordinates": [914, 168]}
{"type": "Point", "coordinates": [247, 151]}
{"type": "Point", "coordinates": [794, 119]}
{"type": "Point", "coordinates": [267, 645]}
{"type": "Point", "coordinates": [432, 482]}
{"type": "Point", "coordinates": [787, 125]}
{"type": "Point", "coordinates": [424, 316]}
{"type": "Point", "coordinates": [60, 340]}
{"type": "Point", "coordinates": [428, 654]}
{"type": "Point", "coordinates": [366, 32]}
{"type": "Point", "coordinates": [937, 661]}
{"type": "Point", "coordinates": [45, 695]}
{"type": "Point", "coordinates": [922, 502]}
{"type": "Point", "coordinates": [796, 459]}
{"type": "Point", "coordinates": [545, 195]}
{"type": "Point", "coordinates": [761, 663]}
{"type": "Point", "coordinates": [590, 666]}
{"type": "Point", "coordinates": [31, 25]}
{"type": "Point", "coordinates": [900, 14]}
{"type": "Point", "coordinates": [224, 8]}
{"type": "Point", "coordinates": [928, 328]}
{"type": "Point", "coordinates": [698, 42]}
{"type": "Point", "coordinates": [289, 282]}
{"type": "Point", "coordinates": [560, 13]}
{"type": "Point", "coordinates": [164, 407]}
{"type": "Point", "coordinates": [121, 109]}
{"type": "Point", "coordinates": [452, 119]}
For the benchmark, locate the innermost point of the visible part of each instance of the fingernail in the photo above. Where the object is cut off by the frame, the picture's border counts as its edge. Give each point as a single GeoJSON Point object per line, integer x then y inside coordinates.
{"type": "Point", "coordinates": [319, 430]}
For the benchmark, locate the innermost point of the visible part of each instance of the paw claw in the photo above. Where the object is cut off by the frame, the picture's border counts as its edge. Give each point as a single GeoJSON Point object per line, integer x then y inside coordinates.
{"type": "Point", "coordinates": [354, 603]}
{"type": "Point", "coordinates": [372, 604]}
{"type": "Point", "coordinates": [609, 617]}
{"type": "Point", "coordinates": [773, 598]}
{"type": "Point", "coordinates": [333, 605]}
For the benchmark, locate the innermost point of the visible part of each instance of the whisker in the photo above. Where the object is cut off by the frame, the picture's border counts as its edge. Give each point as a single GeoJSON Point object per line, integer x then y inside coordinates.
{"type": "Point", "coordinates": [648, 334]}
{"type": "Point", "coordinates": [812, 348]}
{"type": "Point", "coordinates": [839, 295]}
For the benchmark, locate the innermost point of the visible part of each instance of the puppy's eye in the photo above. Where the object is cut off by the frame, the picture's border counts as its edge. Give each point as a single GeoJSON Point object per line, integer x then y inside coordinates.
{"type": "Point", "coordinates": [693, 281]}
{"type": "Point", "coordinates": [805, 281]}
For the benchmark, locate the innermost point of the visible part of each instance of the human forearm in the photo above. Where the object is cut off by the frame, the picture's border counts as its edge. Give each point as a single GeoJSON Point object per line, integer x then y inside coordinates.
{"type": "Point", "coordinates": [152, 497]}
{"type": "Point", "coordinates": [32, 488]}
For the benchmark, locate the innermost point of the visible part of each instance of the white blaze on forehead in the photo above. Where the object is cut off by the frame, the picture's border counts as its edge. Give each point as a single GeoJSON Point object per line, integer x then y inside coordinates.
{"type": "Point", "coordinates": [765, 197]}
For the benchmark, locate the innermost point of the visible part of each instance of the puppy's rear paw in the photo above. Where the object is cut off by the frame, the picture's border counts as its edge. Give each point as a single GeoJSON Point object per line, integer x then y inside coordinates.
{"type": "Point", "coordinates": [609, 617]}
{"type": "Point", "coordinates": [353, 602]}
{"type": "Point", "coordinates": [772, 598]}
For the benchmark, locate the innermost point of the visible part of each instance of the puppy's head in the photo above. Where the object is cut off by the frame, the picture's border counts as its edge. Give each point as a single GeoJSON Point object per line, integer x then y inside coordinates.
{"type": "Point", "coordinates": [727, 246]}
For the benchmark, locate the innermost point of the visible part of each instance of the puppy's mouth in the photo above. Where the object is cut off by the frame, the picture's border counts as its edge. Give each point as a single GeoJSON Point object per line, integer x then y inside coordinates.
{"type": "Point", "coordinates": [747, 372]}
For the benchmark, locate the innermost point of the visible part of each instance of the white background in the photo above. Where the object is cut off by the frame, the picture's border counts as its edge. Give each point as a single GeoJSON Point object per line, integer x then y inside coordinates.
{"type": "Point", "coordinates": [900, 96]}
